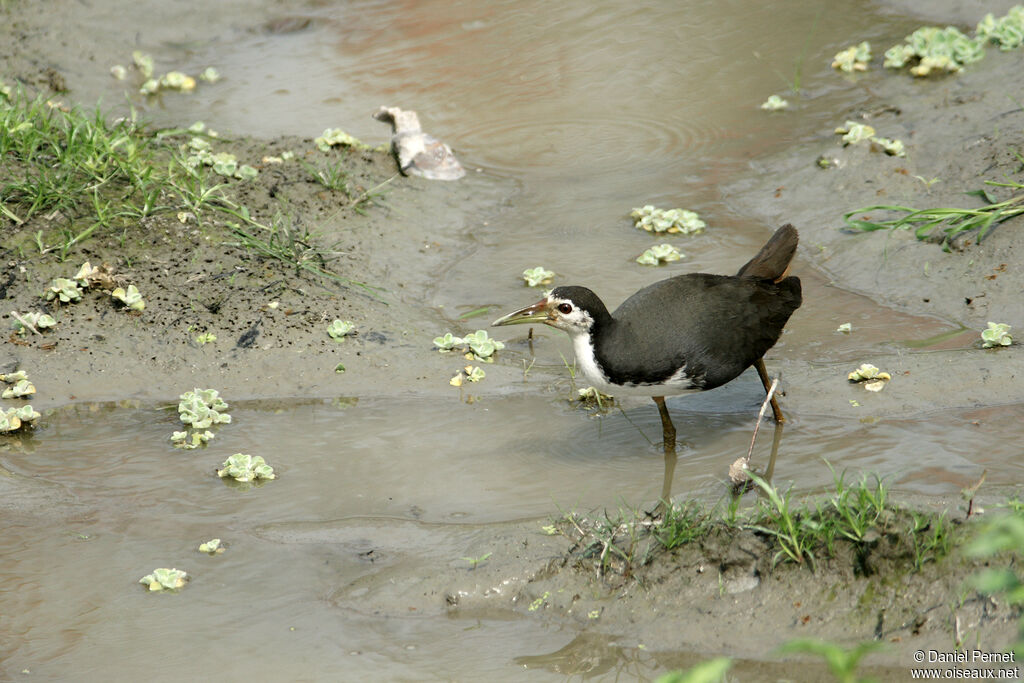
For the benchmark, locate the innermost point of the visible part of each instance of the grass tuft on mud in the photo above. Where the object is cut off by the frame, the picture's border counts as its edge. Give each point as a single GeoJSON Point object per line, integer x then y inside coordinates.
{"type": "Point", "coordinates": [856, 529]}
{"type": "Point", "coordinates": [69, 174]}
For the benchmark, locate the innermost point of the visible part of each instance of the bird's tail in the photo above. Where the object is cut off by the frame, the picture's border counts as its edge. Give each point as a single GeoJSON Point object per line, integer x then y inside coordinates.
{"type": "Point", "coordinates": [772, 262]}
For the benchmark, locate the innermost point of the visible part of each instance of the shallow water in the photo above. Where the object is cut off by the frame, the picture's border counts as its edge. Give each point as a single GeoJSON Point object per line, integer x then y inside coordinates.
{"type": "Point", "coordinates": [590, 109]}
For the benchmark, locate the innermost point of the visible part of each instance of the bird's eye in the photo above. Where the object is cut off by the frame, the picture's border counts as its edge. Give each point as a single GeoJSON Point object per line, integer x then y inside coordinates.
{"type": "Point", "coordinates": [565, 309]}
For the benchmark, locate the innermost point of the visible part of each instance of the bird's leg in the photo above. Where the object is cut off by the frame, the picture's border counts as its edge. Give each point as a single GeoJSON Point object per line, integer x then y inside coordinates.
{"type": "Point", "coordinates": [668, 430]}
{"type": "Point", "coordinates": [762, 372]}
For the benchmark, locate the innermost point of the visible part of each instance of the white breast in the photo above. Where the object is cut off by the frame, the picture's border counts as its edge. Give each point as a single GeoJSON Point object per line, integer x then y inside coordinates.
{"type": "Point", "coordinates": [678, 383]}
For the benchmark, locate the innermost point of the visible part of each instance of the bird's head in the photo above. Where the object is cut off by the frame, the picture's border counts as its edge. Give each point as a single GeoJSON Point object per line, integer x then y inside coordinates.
{"type": "Point", "coordinates": [571, 309]}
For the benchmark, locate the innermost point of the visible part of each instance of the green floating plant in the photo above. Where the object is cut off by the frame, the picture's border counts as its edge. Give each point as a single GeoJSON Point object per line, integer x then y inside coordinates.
{"type": "Point", "coordinates": [336, 137]}
{"type": "Point", "coordinates": [163, 579]}
{"type": "Point", "coordinates": [658, 254]}
{"type": "Point", "coordinates": [222, 163]}
{"type": "Point", "coordinates": [653, 219]}
{"type": "Point", "coordinates": [538, 276]}
{"type": "Point", "coordinates": [478, 345]}
{"type": "Point", "coordinates": [144, 63]}
{"type": "Point", "coordinates": [448, 342]}
{"type": "Point", "coordinates": [22, 322]}
{"type": "Point", "coordinates": [867, 372]}
{"type": "Point", "coordinates": [209, 75]}
{"type": "Point", "coordinates": [13, 419]}
{"type": "Point", "coordinates": [467, 374]}
{"type": "Point", "coordinates": [212, 547]}
{"type": "Point", "coordinates": [933, 49]}
{"type": "Point", "coordinates": [12, 377]}
{"type": "Point", "coordinates": [339, 329]}
{"type": "Point", "coordinates": [201, 408]}
{"type": "Point", "coordinates": [854, 58]}
{"type": "Point", "coordinates": [130, 297]}
{"type": "Point", "coordinates": [19, 389]}
{"type": "Point", "coordinates": [246, 468]}
{"type": "Point", "coordinates": [206, 338]}
{"type": "Point", "coordinates": [482, 346]}
{"type": "Point", "coordinates": [1007, 31]}
{"type": "Point", "coordinates": [854, 133]}
{"type": "Point", "coordinates": [997, 334]}
{"type": "Point", "coordinates": [64, 290]}
{"type": "Point", "coordinates": [189, 440]}
{"type": "Point", "coordinates": [774, 103]}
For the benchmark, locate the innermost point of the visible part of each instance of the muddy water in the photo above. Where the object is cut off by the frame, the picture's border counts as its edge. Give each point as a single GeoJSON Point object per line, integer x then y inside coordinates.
{"type": "Point", "coordinates": [590, 109]}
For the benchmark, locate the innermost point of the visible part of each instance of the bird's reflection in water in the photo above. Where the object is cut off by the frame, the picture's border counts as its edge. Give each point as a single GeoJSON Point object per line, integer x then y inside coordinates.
{"type": "Point", "coordinates": [671, 457]}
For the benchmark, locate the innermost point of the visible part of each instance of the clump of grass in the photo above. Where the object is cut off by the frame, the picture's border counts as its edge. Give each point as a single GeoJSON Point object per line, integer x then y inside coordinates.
{"type": "Point", "coordinates": [854, 514]}
{"type": "Point", "coordinates": [793, 529]}
{"type": "Point", "coordinates": [96, 175]}
{"type": "Point", "coordinates": [76, 164]}
{"type": "Point", "coordinates": [949, 222]}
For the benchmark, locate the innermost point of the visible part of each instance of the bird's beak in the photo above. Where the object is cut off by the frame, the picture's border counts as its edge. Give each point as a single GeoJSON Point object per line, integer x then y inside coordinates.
{"type": "Point", "coordinates": [539, 312]}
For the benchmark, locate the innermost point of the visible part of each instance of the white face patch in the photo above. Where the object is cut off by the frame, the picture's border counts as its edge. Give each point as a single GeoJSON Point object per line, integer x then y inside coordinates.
{"type": "Point", "coordinates": [569, 318]}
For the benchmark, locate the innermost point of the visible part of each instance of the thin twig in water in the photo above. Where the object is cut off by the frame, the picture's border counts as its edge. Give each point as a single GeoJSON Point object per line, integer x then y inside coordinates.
{"type": "Point", "coordinates": [760, 415]}
{"type": "Point", "coordinates": [738, 470]}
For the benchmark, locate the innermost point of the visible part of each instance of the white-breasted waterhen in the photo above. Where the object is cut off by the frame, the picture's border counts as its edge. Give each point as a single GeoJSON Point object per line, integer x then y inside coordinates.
{"type": "Point", "coordinates": [689, 333]}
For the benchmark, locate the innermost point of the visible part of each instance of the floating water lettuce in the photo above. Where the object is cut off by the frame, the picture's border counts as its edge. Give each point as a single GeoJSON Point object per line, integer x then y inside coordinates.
{"type": "Point", "coordinates": [658, 254]}
{"type": "Point", "coordinates": [165, 579]}
{"type": "Point", "coordinates": [893, 148]}
{"type": "Point", "coordinates": [997, 334]}
{"type": "Point", "coordinates": [845, 327]}
{"type": "Point", "coordinates": [206, 338]}
{"type": "Point", "coordinates": [201, 408]}
{"type": "Point", "coordinates": [95, 276]}
{"type": "Point", "coordinates": [12, 377]}
{"type": "Point", "coordinates": [222, 163]}
{"type": "Point", "coordinates": [931, 48]}
{"type": "Point", "coordinates": [119, 72]}
{"type": "Point", "coordinates": [143, 62]}
{"type": "Point", "coordinates": [448, 342]}
{"type": "Point", "coordinates": [339, 329]}
{"type": "Point", "coordinates": [774, 103]}
{"type": "Point", "coordinates": [246, 468]}
{"type": "Point", "coordinates": [13, 419]}
{"type": "Point", "coordinates": [468, 373]}
{"type": "Point", "coordinates": [129, 297]}
{"type": "Point", "coordinates": [212, 547]}
{"type": "Point", "coordinates": [176, 80]}
{"type": "Point", "coordinates": [337, 137]}
{"type": "Point", "coordinates": [478, 345]}
{"type": "Point", "coordinates": [64, 290]}
{"type": "Point", "coordinates": [538, 276]}
{"type": "Point", "coordinates": [867, 372]}
{"type": "Point", "coordinates": [854, 58]}
{"type": "Point", "coordinates": [187, 441]}
{"type": "Point", "coordinates": [482, 346]}
{"type": "Point", "coordinates": [20, 389]}
{"type": "Point", "coordinates": [1007, 32]}
{"type": "Point", "coordinates": [854, 133]}
{"type": "Point", "coordinates": [682, 221]}
{"type": "Point", "coordinates": [22, 322]}
{"type": "Point", "coordinates": [209, 75]}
